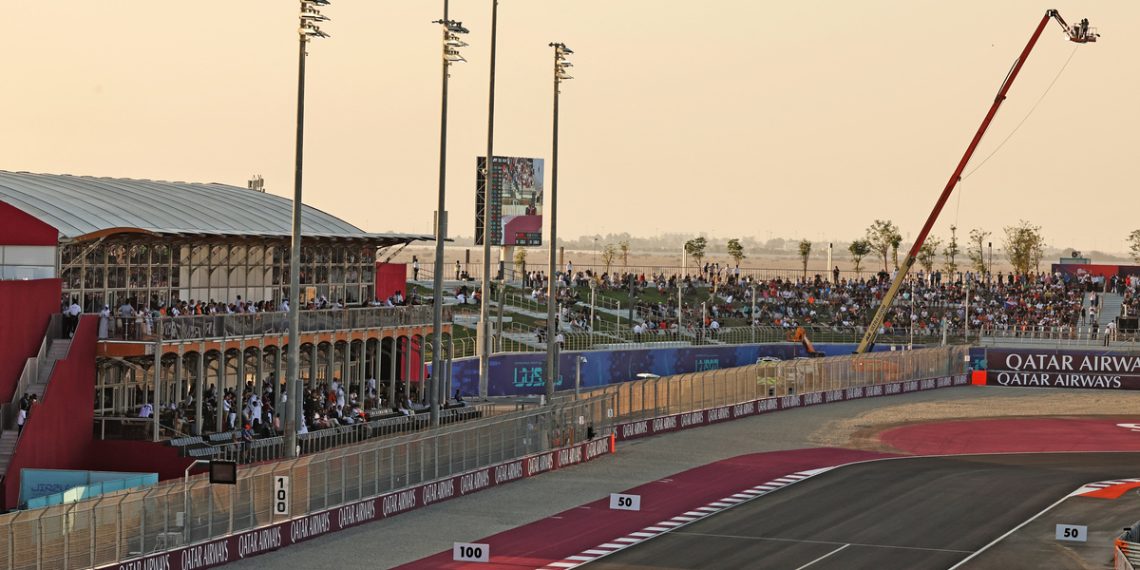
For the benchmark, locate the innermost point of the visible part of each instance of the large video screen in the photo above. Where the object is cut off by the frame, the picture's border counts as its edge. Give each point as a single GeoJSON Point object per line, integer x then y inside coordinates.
{"type": "Point", "coordinates": [515, 211]}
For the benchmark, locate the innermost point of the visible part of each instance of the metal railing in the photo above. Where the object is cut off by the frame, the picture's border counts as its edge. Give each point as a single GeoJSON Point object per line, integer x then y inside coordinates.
{"type": "Point", "coordinates": [195, 327]}
{"type": "Point", "coordinates": [1061, 336]}
{"type": "Point", "coordinates": [526, 340]}
{"type": "Point", "coordinates": [667, 395]}
{"type": "Point", "coordinates": [273, 448]}
{"type": "Point", "coordinates": [31, 372]}
{"type": "Point", "coordinates": [115, 527]}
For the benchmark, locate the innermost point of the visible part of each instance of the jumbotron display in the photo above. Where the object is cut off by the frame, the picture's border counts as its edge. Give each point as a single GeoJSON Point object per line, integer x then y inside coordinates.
{"type": "Point", "coordinates": [515, 211]}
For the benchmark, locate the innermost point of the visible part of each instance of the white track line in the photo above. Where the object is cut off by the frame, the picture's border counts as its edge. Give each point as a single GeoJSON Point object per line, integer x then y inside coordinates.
{"type": "Point", "coordinates": [681, 520]}
{"type": "Point", "coordinates": [1011, 531]}
{"type": "Point", "coordinates": [822, 557]}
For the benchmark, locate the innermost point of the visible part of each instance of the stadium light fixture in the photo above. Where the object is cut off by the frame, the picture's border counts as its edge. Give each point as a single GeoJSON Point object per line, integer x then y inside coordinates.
{"type": "Point", "coordinates": [452, 31]}
{"type": "Point", "coordinates": [560, 75]}
{"type": "Point", "coordinates": [310, 16]}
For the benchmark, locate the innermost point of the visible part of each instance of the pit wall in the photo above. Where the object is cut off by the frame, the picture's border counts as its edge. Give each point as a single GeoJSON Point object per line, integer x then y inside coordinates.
{"type": "Point", "coordinates": [522, 373]}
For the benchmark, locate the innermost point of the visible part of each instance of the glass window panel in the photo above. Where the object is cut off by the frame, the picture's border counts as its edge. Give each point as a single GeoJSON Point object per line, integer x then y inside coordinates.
{"type": "Point", "coordinates": [116, 277]}
{"type": "Point", "coordinates": [237, 255]}
{"type": "Point", "coordinates": [140, 255]}
{"type": "Point", "coordinates": [219, 255]}
{"type": "Point", "coordinates": [139, 278]}
{"type": "Point", "coordinates": [97, 256]}
{"type": "Point", "coordinates": [93, 278]}
{"type": "Point", "coordinates": [256, 255]}
{"type": "Point", "coordinates": [338, 254]}
{"type": "Point", "coordinates": [200, 255]}
{"type": "Point", "coordinates": [160, 255]}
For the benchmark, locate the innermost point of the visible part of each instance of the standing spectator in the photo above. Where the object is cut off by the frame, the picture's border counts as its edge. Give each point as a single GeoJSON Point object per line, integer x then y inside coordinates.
{"type": "Point", "coordinates": [21, 418]}
{"type": "Point", "coordinates": [415, 268]}
{"type": "Point", "coordinates": [105, 322]}
{"type": "Point", "coordinates": [457, 270]}
{"type": "Point", "coordinates": [72, 320]}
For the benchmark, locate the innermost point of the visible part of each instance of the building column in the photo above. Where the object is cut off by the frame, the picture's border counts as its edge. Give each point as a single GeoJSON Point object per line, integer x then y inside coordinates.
{"type": "Point", "coordinates": [220, 389]}
{"type": "Point", "coordinates": [330, 362]}
{"type": "Point", "coordinates": [199, 391]}
{"type": "Point", "coordinates": [393, 370]}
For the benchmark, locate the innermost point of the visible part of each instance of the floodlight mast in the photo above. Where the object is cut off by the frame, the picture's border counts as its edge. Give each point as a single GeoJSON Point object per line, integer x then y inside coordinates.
{"type": "Point", "coordinates": [1081, 33]}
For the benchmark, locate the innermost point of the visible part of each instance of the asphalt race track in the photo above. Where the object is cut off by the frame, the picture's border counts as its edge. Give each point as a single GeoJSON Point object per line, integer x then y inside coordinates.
{"type": "Point", "coordinates": [900, 513]}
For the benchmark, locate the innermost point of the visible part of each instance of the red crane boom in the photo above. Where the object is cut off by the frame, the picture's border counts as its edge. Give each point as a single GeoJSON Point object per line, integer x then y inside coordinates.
{"type": "Point", "coordinates": [1081, 34]}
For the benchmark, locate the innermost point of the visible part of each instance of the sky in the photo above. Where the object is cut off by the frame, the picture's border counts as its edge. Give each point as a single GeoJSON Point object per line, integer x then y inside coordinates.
{"type": "Point", "coordinates": [726, 117]}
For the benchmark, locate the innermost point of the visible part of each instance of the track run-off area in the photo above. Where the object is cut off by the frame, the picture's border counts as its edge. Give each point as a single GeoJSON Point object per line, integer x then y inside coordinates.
{"type": "Point", "coordinates": [553, 520]}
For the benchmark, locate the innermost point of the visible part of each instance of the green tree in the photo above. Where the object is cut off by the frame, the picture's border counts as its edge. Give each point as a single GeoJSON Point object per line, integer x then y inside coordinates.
{"type": "Point", "coordinates": [805, 252]}
{"type": "Point", "coordinates": [735, 250]}
{"type": "Point", "coordinates": [896, 241]}
{"type": "Point", "coordinates": [520, 258]}
{"type": "Point", "coordinates": [1134, 245]}
{"type": "Point", "coordinates": [880, 236]}
{"type": "Point", "coordinates": [977, 250]}
{"type": "Point", "coordinates": [624, 246]}
{"type": "Point", "coordinates": [859, 249]}
{"type": "Point", "coordinates": [609, 254]}
{"type": "Point", "coordinates": [1024, 245]}
{"type": "Point", "coordinates": [696, 248]}
{"type": "Point", "coordinates": [951, 251]}
{"type": "Point", "coordinates": [928, 253]}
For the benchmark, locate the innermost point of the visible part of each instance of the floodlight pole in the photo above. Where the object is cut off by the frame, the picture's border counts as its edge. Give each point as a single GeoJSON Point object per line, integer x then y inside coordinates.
{"type": "Point", "coordinates": [484, 329]}
{"type": "Point", "coordinates": [560, 53]}
{"type": "Point", "coordinates": [293, 409]}
{"type": "Point", "coordinates": [440, 236]}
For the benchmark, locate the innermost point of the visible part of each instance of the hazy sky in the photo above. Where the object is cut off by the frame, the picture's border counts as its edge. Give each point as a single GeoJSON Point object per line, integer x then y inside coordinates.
{"type": "Point", "coordinates": [731, 117]}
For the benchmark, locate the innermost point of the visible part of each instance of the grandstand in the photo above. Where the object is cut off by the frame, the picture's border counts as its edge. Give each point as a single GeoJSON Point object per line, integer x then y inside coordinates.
{"type": "Point", "coordinates": [179, 289]}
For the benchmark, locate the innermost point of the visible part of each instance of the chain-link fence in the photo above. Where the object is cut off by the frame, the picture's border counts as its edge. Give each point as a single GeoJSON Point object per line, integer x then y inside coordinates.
{"type": "Point", "coordinates": [656, 397]}
{"type": "Point", "coordinates": [135, 523]}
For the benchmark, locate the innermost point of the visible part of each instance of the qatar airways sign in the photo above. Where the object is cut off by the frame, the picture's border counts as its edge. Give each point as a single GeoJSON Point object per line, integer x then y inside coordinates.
{"type": "Point", "coordinates": [1063, 369]}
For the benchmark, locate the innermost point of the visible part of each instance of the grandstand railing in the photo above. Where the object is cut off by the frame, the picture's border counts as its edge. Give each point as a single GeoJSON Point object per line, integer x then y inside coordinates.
{"type": "Point", "coordinates": [1060, 336]}
{"type": "Point", "coordinates": [668, 395]}
{"type": "Point", "coordinates": [196, 327]}
{"type": "Point", "coordinates": [128, 524]}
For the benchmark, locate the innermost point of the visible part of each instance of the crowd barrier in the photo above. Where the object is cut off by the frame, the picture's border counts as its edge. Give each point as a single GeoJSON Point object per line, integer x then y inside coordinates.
{"type": "Point", "coordinates": [194, 524]}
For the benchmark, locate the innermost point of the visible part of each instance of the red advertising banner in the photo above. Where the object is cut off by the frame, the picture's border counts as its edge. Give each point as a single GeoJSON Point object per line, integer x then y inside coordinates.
{"type": "Point", "coordinates": [265, 539]}
{"type": "Point", "coordinates": [676, 422]}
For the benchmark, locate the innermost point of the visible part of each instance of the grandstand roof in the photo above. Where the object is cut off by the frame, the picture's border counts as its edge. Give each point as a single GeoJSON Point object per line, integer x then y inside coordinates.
{"type": "Point", "coordinates": [85, 207]}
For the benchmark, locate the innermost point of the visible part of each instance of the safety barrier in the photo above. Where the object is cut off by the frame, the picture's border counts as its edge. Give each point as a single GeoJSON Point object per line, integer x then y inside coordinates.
{"type": "Point", "coordinates": [1125, 554]}
{"type": "Point", "coordinates": [330, 490]}
{"type": "Point", "coordinates": [656, 405]}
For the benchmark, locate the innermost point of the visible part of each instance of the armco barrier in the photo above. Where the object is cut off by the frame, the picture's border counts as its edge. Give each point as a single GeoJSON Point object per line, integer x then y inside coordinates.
{"type": "Point", "coordinates": [279, 535]}
{"type": "Point", "coordinates": [677, 422]}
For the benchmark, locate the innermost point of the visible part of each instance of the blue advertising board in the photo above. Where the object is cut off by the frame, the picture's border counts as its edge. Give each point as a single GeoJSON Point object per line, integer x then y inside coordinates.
{"type": "Point", "coordinates": [516, 374]}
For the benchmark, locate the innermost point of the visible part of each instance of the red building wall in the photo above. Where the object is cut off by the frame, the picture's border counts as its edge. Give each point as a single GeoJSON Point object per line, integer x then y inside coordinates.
{"type": "Point", "coordinates": [25, 308]}
{"type": "Point", "coordinates": [137, 456]}
{"type": "Point", "coordinates": [21, 229]}
{"type": "Point", "coordinates": [391, 277]}
{"type": "Point", "coordinates": [58, 432]}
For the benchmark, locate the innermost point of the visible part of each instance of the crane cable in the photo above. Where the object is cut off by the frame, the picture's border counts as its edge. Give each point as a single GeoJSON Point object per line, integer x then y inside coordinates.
{"type": "Point", "coordinates": [958, 207]}
{"type": "Point", "coordinates": [1025, 118]}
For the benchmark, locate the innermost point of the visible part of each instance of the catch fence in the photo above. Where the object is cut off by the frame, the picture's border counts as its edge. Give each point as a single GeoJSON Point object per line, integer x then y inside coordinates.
{"type": "Point", "coordinates": [669, 395]}
{"type": "Point", "coordinates": [131, 524]}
